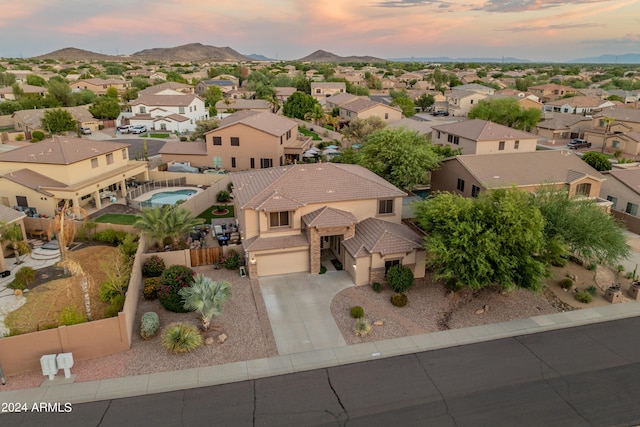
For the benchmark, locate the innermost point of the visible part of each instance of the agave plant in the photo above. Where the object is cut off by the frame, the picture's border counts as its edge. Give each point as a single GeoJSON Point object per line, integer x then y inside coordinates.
{"type": "Point", "coordinates": [207, 297]}
{"type": "Point", "coordinates": [181, 337]}
{"type": "Point", "coordinates": [362, 327]}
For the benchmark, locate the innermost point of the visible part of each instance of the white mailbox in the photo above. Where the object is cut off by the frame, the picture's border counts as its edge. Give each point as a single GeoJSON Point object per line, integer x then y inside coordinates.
{"type": "Point", "coordinates": [65, 361]}
{"type": "Point", "coordinates": [49, 365]}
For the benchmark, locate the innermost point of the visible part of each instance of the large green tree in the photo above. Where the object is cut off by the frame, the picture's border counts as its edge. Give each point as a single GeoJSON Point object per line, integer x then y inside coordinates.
{"type": "Point", "coordinates": [359, 129]}
{"type": "Point", "coordinates": [35, 80]}
{"type": "Point", "coordinates": [58, 121]}
{"type": "Point", "coordinates": [399, 155]}
{"type": "Point", "coordinates": [299, 104]}
{"type": "Point", "coordinates": [598, 161]}
{"type": "Point", "coordinates": [425, 101]}
{"type": "Point", "coordinates": [405, 104]}
{"type": "Point", "coordinates": [105, 107]}
{"type": "Point", "coordinates": [61, 92]}
{"type": "Point", "coordinates": [506, 111]}
{"type": "Point", "coordinates": [202, 127]}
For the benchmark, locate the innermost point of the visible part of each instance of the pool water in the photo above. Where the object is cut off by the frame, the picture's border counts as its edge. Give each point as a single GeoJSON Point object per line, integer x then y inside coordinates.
{"type": "Point", "coordinates": [424, 194]}
{"type": "Point", "coordinates": [168, 198]}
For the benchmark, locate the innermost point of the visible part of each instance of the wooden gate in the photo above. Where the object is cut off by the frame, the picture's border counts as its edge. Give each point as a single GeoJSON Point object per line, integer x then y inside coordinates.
{"type": "Point", "coordinates": [205, 256]}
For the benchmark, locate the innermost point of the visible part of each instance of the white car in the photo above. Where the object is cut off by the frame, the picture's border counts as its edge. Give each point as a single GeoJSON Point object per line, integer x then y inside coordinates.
{"type": "Point", "coordinates": [138, 129]}
{"type": "Point", "coordinates": [124, 128]}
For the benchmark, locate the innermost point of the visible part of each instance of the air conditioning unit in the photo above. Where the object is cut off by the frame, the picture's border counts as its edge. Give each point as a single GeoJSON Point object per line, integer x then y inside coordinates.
{"type": "Point", "coordinates": [65, 361]}
{"type": "Point", "coordinates": [49, 365]}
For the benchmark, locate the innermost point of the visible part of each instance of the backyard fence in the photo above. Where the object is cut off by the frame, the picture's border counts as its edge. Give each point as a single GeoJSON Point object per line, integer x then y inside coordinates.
{"type": "Point", "coordinates": [205, 256]}
{"type": "Point", "coordinates": [150, 186]}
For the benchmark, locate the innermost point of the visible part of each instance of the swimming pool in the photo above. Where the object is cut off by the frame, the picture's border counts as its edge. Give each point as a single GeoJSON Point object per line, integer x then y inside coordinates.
{"type": "Point", "coordinates": [167, 198]}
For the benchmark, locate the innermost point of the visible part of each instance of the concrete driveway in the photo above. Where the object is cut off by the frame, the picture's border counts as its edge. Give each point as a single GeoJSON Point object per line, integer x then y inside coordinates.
{"type": "Point", "coordinates": [298, 305]}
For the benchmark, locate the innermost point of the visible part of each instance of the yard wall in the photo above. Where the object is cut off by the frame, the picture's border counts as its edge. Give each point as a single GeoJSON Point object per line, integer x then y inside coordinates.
{"type": "Point", "coordinates": [631, 222]}
{"type": "Point", "coordinates": [31, 224]}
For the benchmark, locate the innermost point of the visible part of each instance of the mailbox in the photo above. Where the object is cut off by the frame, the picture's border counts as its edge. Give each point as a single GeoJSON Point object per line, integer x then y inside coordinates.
{"type": "Point", "coordinates": [49, 365]}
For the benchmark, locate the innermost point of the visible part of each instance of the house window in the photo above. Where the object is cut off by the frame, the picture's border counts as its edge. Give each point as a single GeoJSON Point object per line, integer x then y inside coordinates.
{"type": "Point", "coordinates": [386, 116]}
{"type": "Point", "coordinates": [471, 102]}
{"type": "Point", "coordinates": [516, 145]}
{"type": "Point", "coordinates": [110, 158]}
{"type": "Point", "coordinates": [460, 185]}
{"type": "Point", "coordinates": [253, 163]}
{"type": "Point", "coordinates": [616, 144]}
{"type": "Point", "coordinates": [613, 200]}
{"type": "Point", "coordinates": [143, 110]}
{"type": "Point", "coordinates": [583, 189]}
{"type": "Point", "coordinates": [281, 161]}
{"type": "Point", "coordinates": [94, 162]}
{"type": "Point", "coordinates": [279, 219]}
{"type": "Point", "coordinates": [181, 110]}
{"type": "Point", "coordinates": [385, 207]}
{"type": "Point", "coordinates": [217, 140]}
{"type": "Point", "coordinates": [449, 138]}
{"type": "Point", "coordinates": [389, 264]}
{"type": "Point", "coordinates": [438, 134]}
{"type": "Point", "coordinates": [289, 134]}
{"type": "Point", "coordinates": [501, 145]}
{"type": "Point", "coordinates": [235, 141]}
{"type": "Point", "coordinates": [163, 126]}
{"type": "Point", "coordinates": [266, 163]}
{"type": "Point", "coordinates": [475, 190]}
{"type": "Point", "coordinates": [217, 162]}
{"type": "Point", "coordinates": [233, 162]}
{"type": "Point", "coordinates": [318, 91]}
{"type": "Point", "coordinates": [456, 140]}
{"type": "Point", "coordinates": [632, 209]}
{"type": "Point", "coordinates": [124, 154]}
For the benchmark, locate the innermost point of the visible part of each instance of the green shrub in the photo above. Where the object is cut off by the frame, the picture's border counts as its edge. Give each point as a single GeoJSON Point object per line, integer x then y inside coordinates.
{"type": "Point", "coordinates": [377, 287]}
{"type": "Point", "coordinates": [128, 246]}
{"type": "Point", "coordinates": [231, 260]}
{"type": "Point", "coordinates": [566, 283]}
{"type": "Point", "coordinates": [100, 127]}
{"type": "Point", "coordinates": [592, 290]}
{"type": "Point", "coordinates": [230, 187]}
{"type": "Point", "coordinates": [20, 137]}
{"type": "Point", "coordinates": [183, 138]}
{"type": "Point", "coordinates": [181, 337]}
{"type": "Point", "coordinates": [172, 280]}
{"type": "Point", "coordinates": [584, 296]}
{"type": "Point", "coordinates": [36, 134]}
{"type": "Point", "coordinates": [323, 269]}
{"type": "Point", "coordinates": [223, 196]}
{"type": "Point", "coordinates": [150, 291]}
{"type": "Point", "coordinates": [338, 265]}
{"type": "Point", "coordinates": [400, 278]}
{"type": "Point", "coordinates": [106, 236]}
{"type": "Point", "coordinates": [592, 266]}
{"type": "Point", "coordinates": [23, 278]}
{"type": "Point", "coordinates": [357, 312]}
{"type": "Point", "coordinates": [362, 327]}
{"type": "Point", "coordinates": [399, 300]}
{"type": "Point", "coordinates": [149, 325]}
{"type": "Point", "coordinates": [115, 306]}
{"type": "Point", "coordinates": [153, 267]}
{"type": "Point", "coordinates": [70, 316]}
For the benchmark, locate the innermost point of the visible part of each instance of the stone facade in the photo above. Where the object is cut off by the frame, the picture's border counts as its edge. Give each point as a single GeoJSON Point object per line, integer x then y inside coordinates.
{"type": "Point", "coordinates": [315, 234]}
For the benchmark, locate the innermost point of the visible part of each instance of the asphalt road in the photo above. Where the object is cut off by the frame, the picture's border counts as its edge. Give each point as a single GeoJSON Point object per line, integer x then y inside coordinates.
{"type": "Point", "coordinates": [584, 376]}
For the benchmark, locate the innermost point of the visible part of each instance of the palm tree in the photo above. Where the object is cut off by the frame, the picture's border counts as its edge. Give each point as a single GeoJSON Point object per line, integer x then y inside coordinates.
{"type": "Point", "coordinates": [152, 223]}
{"type": "Point", "coordinates": [12, 233]}
{"type": "Point", "coordinates": [179, 223]}
{"type": "Point", "coordinates": [607, 121]}
{"type": "Point", "coordinates": [207, 297]}
{"type": "Point", "coordinates": [172, 222]}
{"type": "Point", "coordinates": [315, 114]}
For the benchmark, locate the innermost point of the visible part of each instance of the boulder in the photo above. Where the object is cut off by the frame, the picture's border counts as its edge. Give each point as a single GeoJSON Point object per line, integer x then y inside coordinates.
{"type": "Point", "coordinates": [378, 323]}
{"type": "Point", "coordinates": [208, 341]}
{"type": "Point", "coordinates": [222, 338]}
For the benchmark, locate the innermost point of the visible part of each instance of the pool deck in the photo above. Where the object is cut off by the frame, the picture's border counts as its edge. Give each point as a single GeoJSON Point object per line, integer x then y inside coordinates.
{"type": "Point", "coordinates": [145, 197]}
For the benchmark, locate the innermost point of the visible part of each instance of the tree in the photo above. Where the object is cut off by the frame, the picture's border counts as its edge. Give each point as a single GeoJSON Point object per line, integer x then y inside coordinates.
{"type": "Point", "coordinates": [299, 104]}
{"type": "Point", "coordinates": [211, 96]}
{"type": "Point", "coordinates": [405, 104]}
{"type": "Point", "coordinates": [607, 121]}
{"type": "Point", "coordinates": [112, 93]}
{"type": "Point", "coordinates": [170, 223]}
{"type": "Point", "coordinates": [35, 80]}
{"type": "Point", "coordinates": [202, 127]}
{"type": "Point", "coordinates": [425, 101]}
{"type": "Point", "coordinates": [12, 233]}
{"type": "Point", "coordinates": [65, 234]}
{"type": "Point", "coordinates": [316, 114]}
{"type": "Point", "coordinates": [61, 92]}
{"type": "Point", "coordinates": [506, 111]}
{"type": "Point", "coordinates": [58, 121]}
{"type": "Point", "coordinates": [207, 297]}
{"type": "Point", "coordinates": [347, 156]}
{"type": "Point", "coordinates": [83, 97]}
{"type": "Point", "coordinates": [598, 161]}
{"type": "Point", "coordinates": [494, 239]}
{"type": "Point", "coordinates": [399, 155]}
{"type": "Point", "coordinates": [359, 129]}
{"type": "Point", "coordinates": [7, 79]}
{"type": "Point", "coordinates": [174, 76]}
{"type": "Point", "coordinates": [105, 107]}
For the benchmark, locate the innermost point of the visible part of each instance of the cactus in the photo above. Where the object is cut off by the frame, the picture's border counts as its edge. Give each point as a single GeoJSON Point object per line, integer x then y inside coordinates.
{"type": "Point", "coordinates": [149, 325]}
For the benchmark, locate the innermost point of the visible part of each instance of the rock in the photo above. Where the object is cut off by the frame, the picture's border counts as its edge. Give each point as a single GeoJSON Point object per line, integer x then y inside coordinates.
{"type": "Point", "coordinates": [378, 323]}
{"type": "Point", "coordinates": [486, 308]}
{"type": "Point", "coordinates": [208, 341]}
{"type": "Point", "coordinates": [222, 338]}
{"type": "Point", "coordinates": [480, 311]}
{"type": "Point", "coordinates": [17, 292]}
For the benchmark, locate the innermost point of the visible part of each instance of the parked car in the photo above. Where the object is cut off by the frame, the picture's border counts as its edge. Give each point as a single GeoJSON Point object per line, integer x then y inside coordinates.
{"type": "Point", "coordinates": [216, 171]}
{"type": "Point", "coordinates": [578, 143]}
{"type": "Point", "coordinates": [124, 128]}
{"type": "Point", "coordinates": [440, 113]}
{"type": "Point", "coordinates": [138, 129]}
{"type": "Point", "coordinates": [85, 130]}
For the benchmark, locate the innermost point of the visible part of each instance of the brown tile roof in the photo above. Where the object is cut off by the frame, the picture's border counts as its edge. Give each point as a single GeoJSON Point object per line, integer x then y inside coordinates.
{"type": "Point", "coordinates": [152, 90]}
{"type": "Point", "coordinates": [621, 114]}
{"type": "Point", "coordinates": [363, 104]}
{"type": "Point", "coordinates": [482, 130]}
{"type": "Point", "coordinates": [329, 217]}
{"type": "Point", "coordinates": [279, 242]}
{"type": "Point", "coordinates": [9, 215]}
{"type": "Point", "coordinates": [244, 104]}
{"type": "Point", "coordinates": [197, 148]}
{"type": "Point", "coordinates": [273, 124]}
{"type": "Point", "coordinates": [328, 85]}
{"type": "Point", "coordinates": [165, 100]}
{"type": "Point", "coordinates": [374, 235]}
{"type": "Point", "coordinates": [341, 98]}
{"type": "Point", "coordinates": [172, 117]}
{"type": "Point", "coordinates": [33, 180]}
{"type": "Point", "coordinates": [310, 183]}
{"type": "Point", "coordinates": [526, 169]}
{"type": "Point", "coordinates": [61, 151]}
{"type": "Point", "coordinates": [33, 118]}
{"type": "Point", "coordinates": [580, 102]}
{"type": "Point", "coordinates": [629, 177]}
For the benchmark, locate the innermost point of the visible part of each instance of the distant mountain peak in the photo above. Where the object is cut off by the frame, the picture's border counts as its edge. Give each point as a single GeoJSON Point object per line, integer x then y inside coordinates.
{"type": "Point", "coordinates": [324, 56]}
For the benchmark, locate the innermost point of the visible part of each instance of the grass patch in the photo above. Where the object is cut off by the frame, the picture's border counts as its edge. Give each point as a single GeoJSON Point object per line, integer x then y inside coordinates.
{"type": "Point", "coordinates": [7, 129]}
{"type": "Point", "coordinates": [307, 132]}
{"type": "Point", "coordinates": [158, 135]}
{"type": "Point", "coordinates": [112, 218]}
{"type": "Point", "coordinates": [208, 213]}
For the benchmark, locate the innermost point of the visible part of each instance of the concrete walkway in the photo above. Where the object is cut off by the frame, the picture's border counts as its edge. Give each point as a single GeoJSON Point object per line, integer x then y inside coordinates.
{"type": "Point", "coordinates": [298, 306]}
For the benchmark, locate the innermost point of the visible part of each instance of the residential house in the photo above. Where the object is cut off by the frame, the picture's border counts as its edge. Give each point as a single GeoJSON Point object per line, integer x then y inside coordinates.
{"type": "Point", "coordinates": [336, 101]}
{"type": "Point", "coordinates": [363, 108]}
{"type": "Point", "coordinates": [296, 217]}
{"type": "Point", "coordinates": [37, 178]}
{"type": "Point", "coordinates": [623, 126]}
{"type": "Point", "coordinates": [555, 126]}
{"type": "Point", "coordinates": [6, 93]}
{"type": "Point", "coordinates": [477, 88]}
{"type": "Point", "coordinates": [224, 86]}
{"type": "Point", "coordinates": [320, 90]}
{"type": "Point", "coordinates": [100, 86]}
{"type": "Point", "coordinates": [577, 105]}
{"type": "Point", "coordinates": [518, 94]}
{"type": "Point", "coordinates": [524, 102]}
{"type": "Point", "coordinates": [622, 189]}
{"type": "Point", "coordinates": [470, 174]}
{"type": "Point", "coordinates": [551, 91]}
{"type": "Point", "coordinates": [173, 113]}
{"type": "Point", "coordinates": [283, 93]}
{"type": "Point", "coordinates": [483, 137]}
{"type": "Point", "coordinates": [229, 105]}
{"type": "Point", "coordinates": [462, 101]}
{"type": "Point", "coordinates": [30, 120]}
{"type": "Point", "coordinates": [167, 88]}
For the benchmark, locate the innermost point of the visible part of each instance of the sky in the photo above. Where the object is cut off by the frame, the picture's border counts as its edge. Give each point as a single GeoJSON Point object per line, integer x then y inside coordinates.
{"type": "Point", "coordinates": [538, 30]}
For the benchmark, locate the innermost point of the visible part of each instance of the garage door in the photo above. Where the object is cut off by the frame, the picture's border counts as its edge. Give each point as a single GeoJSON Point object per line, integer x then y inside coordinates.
{"type": "Point", "coordinates": [290, 262]}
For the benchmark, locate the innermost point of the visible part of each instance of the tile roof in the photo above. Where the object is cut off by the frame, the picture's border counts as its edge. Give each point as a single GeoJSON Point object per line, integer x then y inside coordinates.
{"type": "Point", "coordinates": [278, 242]}
{"type": "Point", "coordinates": [152, 90]}
{"type": "Point", "coordinates": [482, 130]}
{"type": "Point", "coordinates": [61, 151]}
{"type": "Point", "coordinates": [264, 121]}
{"type": "Point", "coordinates": [198, 148]}
{"type": "Point", "coordinates": [328, 85]}
{"type": "Point", "coordinates": [374, 235]}
{"type": "Point", "coordinates": [621, 114]}
{"type": "Point", "coordinates": [243, 104]}
{"type": "Point", "coordinates": [329, 217]}
{"type": "Point", "coordinates": [172, 117]}
{"type": "Point", "coordinates": [363, 104]}
{"type": "Point", "coordinates": [341, 98]}
{"type": "Point", "coordinates": [526, 169]}
{"type": "Point", "coordinates": [33, 180]}
{"type": "Point", "coordinates": [629, 177]}
{"type": "Point", "coordinates": [309, 183]}
{"type": "Point", "coordinates": [33, 118]}
{"type": "Point", "coordinates": [580, 102]}
{"type": "Point", "coordinates": [165, 100]}
{"type": "Point", "coordinates": [9, 215]}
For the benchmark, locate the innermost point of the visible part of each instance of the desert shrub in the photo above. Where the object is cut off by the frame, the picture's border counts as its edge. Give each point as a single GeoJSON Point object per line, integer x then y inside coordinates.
{"type": "Point", "coordinates": [377, 287]}
{"type": "Point", "coordinates": [153, 267]}
{"type": "Point", "coordinates": [566, 283]}
{"type": "Point", "coordinates": [230, 187]}
{"type": "Point", "coordinates": [23, 278]}
{"type": "Point", "coordinates": [362, 327]}
{"type": "Point", "coordinates": [323, 269]}
{"type": "Point", "coordinates": [106, 236]}
{"type": "Point", "coordinates": [181, 337]}
{"type": "Point", "coordinates": [116, 303]}
{"type": "Point", "coordinates": [70, 316]}
{"type": "Point", "coordinates": [592, 266]}
{"type": "Point", "coordinates": [584, 296]}
{"type": "Point", "coordinates": [357, 312]}
{"type": "Point", "coordinates": [231, 260]}
{"type": "Point", "coordinates": [150, 291]}
{"type": "Point", "coordinates": [172, 280]}
{"type": "Point", "coordinates": [19, 137]}
{"type": "Point", "coordinates": [400, 278]}
{"type": "Point", "coordinates": [183, 138]}
{"type": "Point", "coordinates": [338, 265]}
{"type": "Point", "coordinates": [223, 196]}
{"type": "Point", "coordinates": [128, 246]}
{"type": "Point", "coordinates": [399, 300]}
{"type": "Point", "coordinates": [36, 134]}
{"type": "Point", "coordinates": [118, 272]}
{"type": "Point", "coordinates": [592, 290]}
{"type": "Point", "coordinates": [149, 325]}
{"type": "Point", "coordinates": [100, 127]}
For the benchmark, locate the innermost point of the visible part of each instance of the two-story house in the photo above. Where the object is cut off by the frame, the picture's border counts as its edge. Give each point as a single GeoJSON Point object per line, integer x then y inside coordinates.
{"type": "Point", "coordinates": [232, 105]}
{"type": "Point", "coordinates": [296, 217]}
{"type": "Point", "coordinates": [483, 137]}
{"type": "Point", "coordinates": [462, 101]}
{"type": "Point", "coordinates": [551, 91]}
{"type": "Point", "coordinates": [468, 175]}
{"type": "Point", "coordinates": [321, 90]}
{"type": "Point", "coordinates": [224, 86]}
{"type": "Point", "coordinates": [622, 128]}
{"type": "Point", "coordinates": [622, 189]}
{"type": "Point", "coordinates": [30, 120]}
{"type": "Point", "coordinates": [167, 88]}
{"type": "Point", "coordinates": [7, 94]}
{"type": "Point", "coordinates": [39, 177]}
{"type": "Point", "coordinates": [100, 86]}
{"type": "Point", "coordinates": [363, 108]}
{"type": "Point", "coordinates": [578, 105]}
{"type": "Point", "coordinates": [174, 113]}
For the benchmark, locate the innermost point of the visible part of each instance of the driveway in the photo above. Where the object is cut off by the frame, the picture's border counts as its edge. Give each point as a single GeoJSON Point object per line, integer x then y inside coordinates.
{"type": "Point", "coordinates": [298, 305]}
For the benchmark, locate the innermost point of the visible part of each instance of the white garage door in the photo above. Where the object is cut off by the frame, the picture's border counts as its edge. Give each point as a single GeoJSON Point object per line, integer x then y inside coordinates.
{"type": "Point", "coordinates": [291, 262]}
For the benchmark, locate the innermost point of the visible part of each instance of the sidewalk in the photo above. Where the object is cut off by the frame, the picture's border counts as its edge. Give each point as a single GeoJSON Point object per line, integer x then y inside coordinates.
{"type": "Point", "coordinates": [60, 390]}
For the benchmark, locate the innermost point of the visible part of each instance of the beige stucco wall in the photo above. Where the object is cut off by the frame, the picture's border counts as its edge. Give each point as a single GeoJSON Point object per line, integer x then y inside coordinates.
{"type": "Point", "coordinates": [446, 179]}
{"type": "Point", "coordinates": [194, 160]}
{"type": "Point", "coordinates": [624, 195]}
{"type": "Point", "coordinates": [469, 146]}
{"type": "Point", "coordinates": [43, 204]}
